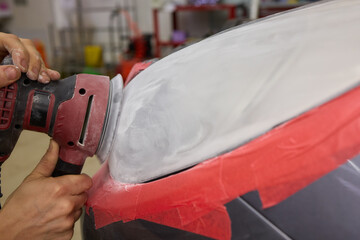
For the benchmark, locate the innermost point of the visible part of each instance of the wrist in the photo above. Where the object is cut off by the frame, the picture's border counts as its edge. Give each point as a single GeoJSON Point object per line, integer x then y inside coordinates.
{"type": "Point", "coordinates": [6, 227]}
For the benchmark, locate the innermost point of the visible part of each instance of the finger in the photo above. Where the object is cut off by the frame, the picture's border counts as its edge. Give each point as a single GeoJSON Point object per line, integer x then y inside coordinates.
{"type": "Point", "coordinates": [35, 60]}
{"type": "Point", "coordinates": [8, 75]}
{"type": "Point", "coordinates": [76, 184]}
{"type": "Point", "coordinates": [10, 43]}
{"type": "Point", "coordinates": [67, 235]}
{"type": "Point", "coordinates": [60, 235]}
{"type": "Point", "coordinates": [54, 75]}
{"type": "Point", "coordinates": [62, 225]}
{"type": "Point", "coordinates": [79, 200]}
{"type": "Point", "coordinates": [77, 214]}
{"type": "Point", "coordinates": [37, 68]}
{"type": "Point", "coordinates": [70, 204]}
{"type": "Point", "coordinates": [44, 77]}
{"type": "Point", "coordinates": [48, 162]}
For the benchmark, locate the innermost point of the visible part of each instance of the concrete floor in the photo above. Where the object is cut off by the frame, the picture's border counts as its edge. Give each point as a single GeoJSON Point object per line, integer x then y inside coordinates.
{"type": "Point", "coordinates": [28, 151]}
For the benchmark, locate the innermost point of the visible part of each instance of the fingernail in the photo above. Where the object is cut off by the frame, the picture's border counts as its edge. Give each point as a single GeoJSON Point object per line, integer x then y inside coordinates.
{"type": "Point", "coordinates": [50, 145]}
{"type": "Point", "coordinates": [33, 74]}
{"type": "Point", "coordinates": [30, 75]}
{"type": "Point", "coordinates": [11, 73]}
{"type": "Point", "coordinates": [57, 75]}
{"type": "Point", "coordinates": [43, 77]}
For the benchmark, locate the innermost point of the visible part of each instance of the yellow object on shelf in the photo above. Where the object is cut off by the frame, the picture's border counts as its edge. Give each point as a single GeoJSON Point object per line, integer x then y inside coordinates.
{"type": "Point", "coordinates": [93, 56]}
{"type": "Point", "coordinates": [293, 1]}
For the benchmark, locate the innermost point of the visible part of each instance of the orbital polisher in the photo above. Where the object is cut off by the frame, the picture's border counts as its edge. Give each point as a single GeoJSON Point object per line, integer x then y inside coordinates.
{"type": "Point", "coordinates": [74, 111]}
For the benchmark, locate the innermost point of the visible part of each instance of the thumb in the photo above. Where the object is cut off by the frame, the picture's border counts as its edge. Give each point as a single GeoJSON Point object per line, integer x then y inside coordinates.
{"type": "Point", "coordinates": [9, 74]}
{"type": "Point", "coordinates": [48, 162]}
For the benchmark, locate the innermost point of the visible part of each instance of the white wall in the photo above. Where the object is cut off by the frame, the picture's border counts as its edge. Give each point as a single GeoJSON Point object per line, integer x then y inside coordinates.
{"type": "Point", "coordinates": [145, 15]}
{"type": "Point", "coordinates": [32, 21]}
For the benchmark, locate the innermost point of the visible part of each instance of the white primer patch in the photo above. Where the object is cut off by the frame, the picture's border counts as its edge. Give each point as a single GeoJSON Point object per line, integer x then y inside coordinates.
{"type": "Point", "coordinates": [222, 92]}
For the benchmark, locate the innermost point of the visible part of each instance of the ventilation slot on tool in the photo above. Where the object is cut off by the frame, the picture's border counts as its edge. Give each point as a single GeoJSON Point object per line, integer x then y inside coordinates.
{"type": "Point", "coordinates": [7, 105]}
{"type": "Point", "coordinates": [86, 120]}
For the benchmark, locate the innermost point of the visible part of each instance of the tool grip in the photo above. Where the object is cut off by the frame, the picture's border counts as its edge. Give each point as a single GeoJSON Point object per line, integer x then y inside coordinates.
{"type": "Point", "coordinates": [70, 161]}
{"type": "Point", "coordinates": [65, 168]}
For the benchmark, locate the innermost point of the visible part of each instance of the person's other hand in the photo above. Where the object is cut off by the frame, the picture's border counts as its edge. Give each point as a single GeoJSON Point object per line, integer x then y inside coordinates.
{"type": "Point", "coordinates": [26, 59]}
{"type": "Point", "coordinates": [43, 207]}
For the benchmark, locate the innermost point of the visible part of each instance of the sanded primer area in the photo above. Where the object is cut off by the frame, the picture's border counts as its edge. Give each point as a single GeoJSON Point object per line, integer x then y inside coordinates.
{"type": "Point", "coordinates": [224, 91]}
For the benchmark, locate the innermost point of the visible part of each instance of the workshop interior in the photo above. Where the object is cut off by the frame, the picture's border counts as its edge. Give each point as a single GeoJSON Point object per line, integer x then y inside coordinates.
{"type": "Point", "coordinates": [196, 119]}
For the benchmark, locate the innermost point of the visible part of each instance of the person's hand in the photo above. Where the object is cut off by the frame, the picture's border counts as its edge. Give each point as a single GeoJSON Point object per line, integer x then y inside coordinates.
{"type": "Point", "coordinates": [26, 59]}
{"type": "Point", "coordinates": [43, 207]}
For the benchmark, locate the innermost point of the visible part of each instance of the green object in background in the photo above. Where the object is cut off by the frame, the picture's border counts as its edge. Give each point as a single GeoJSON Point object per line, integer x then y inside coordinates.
{"type": "Point", "coordinates": [91, 70]}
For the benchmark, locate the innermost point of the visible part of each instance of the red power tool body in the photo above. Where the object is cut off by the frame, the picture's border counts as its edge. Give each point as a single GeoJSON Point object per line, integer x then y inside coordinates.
{"type": "Point", "coordinates": [72, 111]}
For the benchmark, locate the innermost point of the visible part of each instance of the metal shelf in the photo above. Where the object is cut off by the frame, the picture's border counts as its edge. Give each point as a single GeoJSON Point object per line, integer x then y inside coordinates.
{"type": "Point", "coordinates": [269, 8]}
{"type": "Point", "coordinates": [5, 14]}
{"type": "Point", "coordinates": [230, 8]}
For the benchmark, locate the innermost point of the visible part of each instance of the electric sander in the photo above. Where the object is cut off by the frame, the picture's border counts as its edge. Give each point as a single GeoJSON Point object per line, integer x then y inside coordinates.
{"type": "Point", "coordinates": [73, 111]}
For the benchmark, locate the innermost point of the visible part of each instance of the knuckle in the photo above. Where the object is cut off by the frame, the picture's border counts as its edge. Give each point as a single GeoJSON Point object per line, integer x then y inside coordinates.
{"type": "Point", "coordinates": [68, 223]}
{"type": "Point", "coordinates": [10, 35]}
{"type": "Point", "coordinates": [78, 214]}
{"type": "Point", "coordinates": [37, 60]}
{"type": "Point", "coordinates": [68, 235]}
{"type": "Point", "coordinates": [67, 206]}
{"type": "Point", "coordinates": [67, 230]}
{"type": "Point", "coordinates": [86, 179]}
{"type": "Point", "coordinates": [59, 189]}
{"type": "Point", "coordinates": [85, 197]}
{"type": "Point", "coordinates": [27, 41]}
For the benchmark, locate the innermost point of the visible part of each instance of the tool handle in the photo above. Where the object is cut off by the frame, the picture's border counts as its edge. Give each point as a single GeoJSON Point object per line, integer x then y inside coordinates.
{"type": "Point", "coordinates": [65, 168]}
{"type": "Point", "coordinates": [70, 161]}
